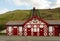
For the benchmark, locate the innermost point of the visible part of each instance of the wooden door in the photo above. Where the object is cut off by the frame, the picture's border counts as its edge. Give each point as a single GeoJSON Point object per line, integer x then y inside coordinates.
{"type": "Point", "coordinates": [15, 31]}
{"type": "Point", "coordinates": [56, 31]}
{"type": "Point", "coordinates": [41, 32]}
{"type": "Point", "coordinates": [28, 31]}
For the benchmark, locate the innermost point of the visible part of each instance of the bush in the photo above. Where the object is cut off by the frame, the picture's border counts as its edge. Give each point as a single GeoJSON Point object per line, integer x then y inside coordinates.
{"type": "Point", "coordinates": [2, 27]}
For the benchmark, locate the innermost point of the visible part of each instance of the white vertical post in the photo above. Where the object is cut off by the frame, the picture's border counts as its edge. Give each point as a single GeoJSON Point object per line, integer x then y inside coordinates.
{"type": "Point", "coordinates": [20, 30]}
{"type": "Point", "coordinates": [37, 31]}
{"type": "Point", "coordinates": [32, 31]}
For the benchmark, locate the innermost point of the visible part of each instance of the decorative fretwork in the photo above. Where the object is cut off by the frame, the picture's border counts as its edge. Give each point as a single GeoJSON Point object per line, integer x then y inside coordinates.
{"type": "Point", "coordinates": [45, 30]}
{"type": "Point", "coordinates": [25, 31]}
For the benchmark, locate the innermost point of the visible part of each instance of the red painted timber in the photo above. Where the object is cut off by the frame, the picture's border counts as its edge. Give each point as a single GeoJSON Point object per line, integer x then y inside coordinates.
{"type": "Point", "coordinates": [28, 31]}
{"type": "Point", "coordinates": [34, 33]}
{"type": "Point", "coordinates": [56, 31]}
{"type": "Point", "coordinates": [15, 31]}
{"type": "Point", "coordinates": [41, 32]}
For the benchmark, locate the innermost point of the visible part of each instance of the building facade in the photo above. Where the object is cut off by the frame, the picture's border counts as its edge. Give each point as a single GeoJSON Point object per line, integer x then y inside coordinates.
{"type": "Point", "coordinates": [34, 26]}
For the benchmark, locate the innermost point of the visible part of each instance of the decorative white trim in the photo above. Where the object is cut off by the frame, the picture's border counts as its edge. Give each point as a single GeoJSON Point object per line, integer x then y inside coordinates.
{"type": "Point", "coordinates": [38, 31]}
{"type": "Point", "coordinates": [15, 27]}
{"type": "Point", "coordinates": [35, 30]}
{"type": "Point", "coordinates": [41, 26]}
{"type": "Point", "coordinates": [28, 26]}
{"type": "Point", "coordinates": [35, 26]}
{"type": "Point", "coordinates": [31, 29]}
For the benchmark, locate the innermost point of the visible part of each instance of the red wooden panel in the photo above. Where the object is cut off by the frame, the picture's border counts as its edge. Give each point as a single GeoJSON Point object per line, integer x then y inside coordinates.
{"type": "Point", "coordinates": [28, 31]}
{"type": "Point", "coordinates": [15, 31]}
{"type": "Point", "coordinates": [34, 33]}
{"type": "Point", "coordinates": [41, 32]}
{"type": "Point", "coordinates": [56, 31]}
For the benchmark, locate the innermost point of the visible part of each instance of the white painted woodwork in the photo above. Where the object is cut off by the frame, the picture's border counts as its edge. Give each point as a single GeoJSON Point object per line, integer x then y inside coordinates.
{"type": "Point", "coordinates": [35, 26]}
{"type": "Point", "coordinates": [20, 28]}
{"type": "Point", "coordinates": [35, 30]}
{"type": "Point", "coordinates": [25, 30]}
{"type": "Point", "coordinates": [31, 29]}
{"type": "Point", "coordinates": [50, 28]}
{"type": "Point", "coordinates": [15, 26]}
{"type": "Point", "coordinates": [42, 23]}
{"type": "Point", "coordinates": [29, 26]}
{"type": "Point", "coordinates": [41, 26]}
{"type": "Point", "coordinates": [9, 28]}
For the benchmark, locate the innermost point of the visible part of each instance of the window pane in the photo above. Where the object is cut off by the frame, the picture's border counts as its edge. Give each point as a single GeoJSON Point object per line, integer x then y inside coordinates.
{"type": "Point", "coordinates": [10, 29]}
{"type": "Point", "coordinates": [50, 28]}
{"type": "Point", "coordinates": [20, 28]}
{"type": "Point", "coordinates": [35, 30]}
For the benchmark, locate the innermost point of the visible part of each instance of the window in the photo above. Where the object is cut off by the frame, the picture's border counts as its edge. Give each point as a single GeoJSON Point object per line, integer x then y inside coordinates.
{"type": "Point", "coordinates": [20, 28]}
{"type": "Point", "coordinates": [50, 28]}
{"type": "Point", "coordinates": [35, 30]}
{"type": "Point", "coordinates": [10, 28]}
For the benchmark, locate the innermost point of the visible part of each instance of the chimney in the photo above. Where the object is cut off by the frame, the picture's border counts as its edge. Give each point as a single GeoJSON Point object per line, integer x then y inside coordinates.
{"type": "Point", "coordinates": [34, 12]}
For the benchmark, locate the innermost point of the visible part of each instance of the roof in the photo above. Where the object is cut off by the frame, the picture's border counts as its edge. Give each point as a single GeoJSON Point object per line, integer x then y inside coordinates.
{"type": "Point", "coordinates": [22, 22]}
{"type": "Point", "coordinates": [53, 22]}
{"type": "Point", "coordinates": [15, 23]}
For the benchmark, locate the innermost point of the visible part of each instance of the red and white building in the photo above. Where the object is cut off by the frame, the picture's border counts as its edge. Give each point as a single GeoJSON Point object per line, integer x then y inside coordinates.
{"type": "Point", "coordinates": [34, 26]}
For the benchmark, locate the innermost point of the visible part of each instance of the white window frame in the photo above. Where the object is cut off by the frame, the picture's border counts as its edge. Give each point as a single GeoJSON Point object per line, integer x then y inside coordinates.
{"type": "Point", "coordinates": [10, 28]}
{"type": "Point", "coordinates": [50, 28]}
{"type": "Point", "coordinates": [35, 29]}
{"type": "Point", "coordinates": [20, 28]}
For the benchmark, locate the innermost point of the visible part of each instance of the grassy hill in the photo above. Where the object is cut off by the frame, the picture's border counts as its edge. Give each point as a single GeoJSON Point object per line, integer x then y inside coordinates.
{"type": "Point", "coordinates": [48, 14]}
